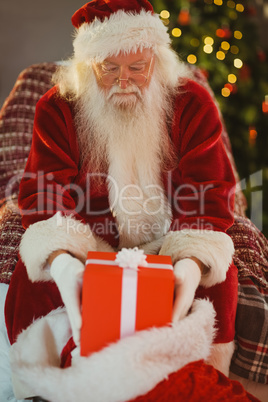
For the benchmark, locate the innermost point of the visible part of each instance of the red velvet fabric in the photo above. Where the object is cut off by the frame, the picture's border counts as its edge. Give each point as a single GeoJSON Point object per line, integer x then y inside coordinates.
{"type": "Point", "coordinates": [27, 301]}
{"type": "Point", "coordinates": [104, 8]}
{"type": "Point", "coordinates": [66, 357]}
{"type": "Point", "coordinates": [224, 298]}
{"type": "Point", "coordinates": [203, 165]}
{"type": "Point", "coordinates": [197, 382]}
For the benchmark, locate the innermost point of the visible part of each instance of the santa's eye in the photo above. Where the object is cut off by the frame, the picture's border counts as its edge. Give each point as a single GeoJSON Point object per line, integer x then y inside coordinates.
{"type": "Point", "coordinates": [137, 68]}
{"type": "Point", "coordinates": [109, 68]}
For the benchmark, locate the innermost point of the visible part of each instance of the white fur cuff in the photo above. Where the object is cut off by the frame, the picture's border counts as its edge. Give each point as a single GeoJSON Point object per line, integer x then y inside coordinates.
{"type": "Point", "coordinates": [214, 249]}
{"type": "Point", "coordinates": [44, 237]}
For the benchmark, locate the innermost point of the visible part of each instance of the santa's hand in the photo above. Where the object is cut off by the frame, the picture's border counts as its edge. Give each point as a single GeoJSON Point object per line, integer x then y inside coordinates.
{"type": "Point", "coordinates": [67, 273]}
{"type": "Point", "coordinates": [187, 278]}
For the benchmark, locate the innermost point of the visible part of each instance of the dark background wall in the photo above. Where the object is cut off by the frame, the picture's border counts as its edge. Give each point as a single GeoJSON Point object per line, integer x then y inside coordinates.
{"type": "Point", "coordinates": [34, 31]}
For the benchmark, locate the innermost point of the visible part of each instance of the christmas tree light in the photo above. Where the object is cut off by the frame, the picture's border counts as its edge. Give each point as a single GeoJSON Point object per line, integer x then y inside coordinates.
{"type": "Point", "coordinates": [265, 105]}
{"type": "Point", "coordinates": [176, 32]}
{"type": "Point", "coordinates": [220, 55]}
{"type": "Point", "coordinates": [240, 8]}
{"type": "Point", "coordinates": [165, 14]}
{"type": "Point", "coordinates": [232, 78]}
{"type": "Point", "coordinates": [225, 45]}
{"type": "Point", "coordinates": [231, 4]}
{"type": "Point", "coordinates": [252, 135]}
{"type": "Point", "coordinates": [238, 35]}
{"type": "Point", "coordinates": [191, 59]}
{"type": "Point", "coordinates": [209, 41]}
{"type": "Point", "coordinates": [234, 49]}
{"type": "Point", "coordinates": [225, 92]}
{"type": "Point", "coordinates": [238, 63]}
{"type": "Point", "coordinates": [208, 49]}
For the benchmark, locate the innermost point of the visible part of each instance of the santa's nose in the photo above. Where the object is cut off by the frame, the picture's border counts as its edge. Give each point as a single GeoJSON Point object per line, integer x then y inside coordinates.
{"type": "Point", "coordinates": [123, 83]}
{"type": "Point", "coordinates": [123, 78]}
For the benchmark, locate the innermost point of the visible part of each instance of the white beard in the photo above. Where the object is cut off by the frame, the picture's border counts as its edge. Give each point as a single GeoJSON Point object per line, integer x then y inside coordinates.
{"type": "Point", "coordinates": [128, 134]}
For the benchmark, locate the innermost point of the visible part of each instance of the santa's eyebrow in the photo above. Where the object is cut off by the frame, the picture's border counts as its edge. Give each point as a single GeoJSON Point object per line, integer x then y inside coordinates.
{"type": "Point", "coordinates": [109, 62]}
{"type": "Point", "coordinates": [141, 61]}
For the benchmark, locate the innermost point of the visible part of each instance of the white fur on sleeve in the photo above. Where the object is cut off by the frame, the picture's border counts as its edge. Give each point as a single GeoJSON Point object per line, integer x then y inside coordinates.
{"type": "Point", "coordinates": [58, 232]}
{"type": "Point", "coordinates": [214, 249]}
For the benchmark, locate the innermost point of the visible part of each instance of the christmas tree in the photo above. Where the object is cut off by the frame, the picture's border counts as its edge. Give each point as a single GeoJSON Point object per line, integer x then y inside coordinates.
{"type": "Point", "coordinates": [221, 38]}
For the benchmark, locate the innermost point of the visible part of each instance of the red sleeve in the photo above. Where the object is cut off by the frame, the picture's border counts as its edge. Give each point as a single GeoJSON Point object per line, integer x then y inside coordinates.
{"type": "Point", "coordinates": [52, 164]}
{"type": "Point", "coordinates": [203, 182]}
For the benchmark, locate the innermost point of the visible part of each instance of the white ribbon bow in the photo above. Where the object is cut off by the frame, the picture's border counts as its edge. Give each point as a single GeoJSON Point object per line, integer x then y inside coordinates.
{"type": "Point", "coordinates": [131, 258]}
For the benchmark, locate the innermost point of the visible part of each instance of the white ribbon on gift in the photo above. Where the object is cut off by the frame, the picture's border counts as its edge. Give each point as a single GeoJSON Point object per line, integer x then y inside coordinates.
{"type": "Point", "coordinates": [129, 260]}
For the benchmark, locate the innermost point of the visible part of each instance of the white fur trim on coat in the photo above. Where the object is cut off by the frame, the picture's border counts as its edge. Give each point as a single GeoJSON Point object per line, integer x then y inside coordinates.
{"type": "Point", "coordinates": [120, 372]}
{"type": "Point", "coordinates": [122, 31]}
{"type": "Point", "coordinates": [58, 232]}
{"type": "Point", "coordinates": [214, 249]}
{"type": "Point", "coordinates": [221, 356]}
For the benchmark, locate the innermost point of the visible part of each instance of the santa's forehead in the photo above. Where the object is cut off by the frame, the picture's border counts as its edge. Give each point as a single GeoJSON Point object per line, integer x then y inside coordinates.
{"type": "Point", "coordinates": [130, 57]}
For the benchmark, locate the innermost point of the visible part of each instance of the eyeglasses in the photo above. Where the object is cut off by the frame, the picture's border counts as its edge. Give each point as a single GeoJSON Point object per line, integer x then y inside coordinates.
{"type": "Point", "coordinates": [112, 78]}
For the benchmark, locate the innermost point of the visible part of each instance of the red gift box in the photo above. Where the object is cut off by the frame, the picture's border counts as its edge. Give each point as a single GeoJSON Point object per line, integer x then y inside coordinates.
{"type": "Point", "coordinates": [117, 301]}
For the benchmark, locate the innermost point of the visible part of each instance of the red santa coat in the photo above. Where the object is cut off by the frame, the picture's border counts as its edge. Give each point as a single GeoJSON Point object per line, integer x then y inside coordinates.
{"type": "Point", "coordinates": [53, 181]}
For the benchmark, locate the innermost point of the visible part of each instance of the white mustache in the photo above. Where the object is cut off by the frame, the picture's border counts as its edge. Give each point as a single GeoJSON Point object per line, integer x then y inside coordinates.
{"type": "Point", "coordinates": [131, 89]}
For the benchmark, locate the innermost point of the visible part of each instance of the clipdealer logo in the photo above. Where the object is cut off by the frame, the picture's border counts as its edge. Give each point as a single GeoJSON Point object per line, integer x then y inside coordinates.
{"type": "Point", "coordinates": [49, 194]}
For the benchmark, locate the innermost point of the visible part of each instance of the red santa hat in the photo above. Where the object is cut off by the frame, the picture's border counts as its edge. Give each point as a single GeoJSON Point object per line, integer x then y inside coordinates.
{"type": "Point", "coordinates": [107, 27]}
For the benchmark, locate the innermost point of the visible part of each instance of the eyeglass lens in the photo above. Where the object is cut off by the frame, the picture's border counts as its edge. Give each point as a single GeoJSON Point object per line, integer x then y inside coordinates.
{"type": "Point", "coordinates": [113, 79]}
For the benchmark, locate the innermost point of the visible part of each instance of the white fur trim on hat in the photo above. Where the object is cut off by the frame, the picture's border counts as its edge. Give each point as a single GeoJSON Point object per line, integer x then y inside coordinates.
{"type": "Point", "coordinates": [122, 31]}
{"type": "Point", "coordinates": [120, 372]}
{"type": "Point", "coordinates": [56, 233]}
{"type": "Point", "coordinates": [214, 249]}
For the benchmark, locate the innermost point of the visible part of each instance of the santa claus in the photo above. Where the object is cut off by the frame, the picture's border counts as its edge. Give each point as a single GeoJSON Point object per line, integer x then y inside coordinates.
{"type": "Point", "coordinates": [126, 152]}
